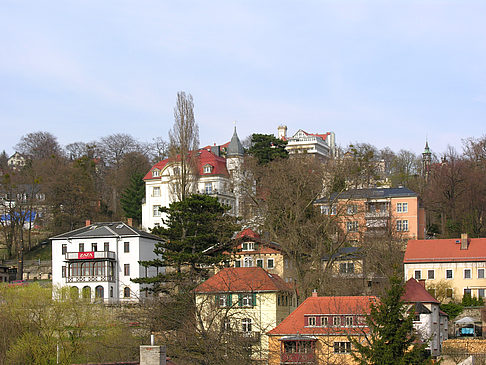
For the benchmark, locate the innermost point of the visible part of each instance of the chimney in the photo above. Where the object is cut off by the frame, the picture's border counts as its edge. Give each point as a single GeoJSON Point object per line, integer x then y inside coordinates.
{"type": "Point", "coordinates": [314, 293]}
{"type": "Point", "coordinates": [422, 282]}
{"type": "Point", "coordinates": [88, 222]}
{"type": "Point", "coordinates": [216, 151]}
{"type": "Point", "coordinates": [464, 241]}
{"type": "Point", "coordinates": [130, 222]}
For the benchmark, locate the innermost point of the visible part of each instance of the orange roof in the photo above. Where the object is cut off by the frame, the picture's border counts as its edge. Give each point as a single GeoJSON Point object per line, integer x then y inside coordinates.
{"type": "Point", "coordinates": [295, 322]}
{"type": "Point", "coordinates": [260, 250]}
{"type": "Point", "coordinates": [243, 279]}
{"type": "Point", "coordinates": [248, 232]}
{"type": "Point", "coordinates": [445, 250]}
{"type": "Point", "coordinates": [415, 292]}
{"type": "Point", "coordinates": [204, 158]}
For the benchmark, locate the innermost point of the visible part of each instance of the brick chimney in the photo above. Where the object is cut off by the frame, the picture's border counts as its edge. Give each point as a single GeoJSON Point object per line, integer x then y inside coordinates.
{"type": "Point", "coordinates": [88, 222]}
{"type": "Point", "coordinates": [422, 282]}
{"type": "Point", "coordinates": [130, 222]}
{"type": "Point", "coordinates": [314, 293]}
{"type": "Point", "coordinates": [464, 241]}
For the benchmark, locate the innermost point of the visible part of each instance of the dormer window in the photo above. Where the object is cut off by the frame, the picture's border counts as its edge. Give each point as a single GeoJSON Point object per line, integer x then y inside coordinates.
{"type": "Point", "coordinates": [207, 169]}
{"type": "Point", "coordinates": [155, 173]}
{"type": "Point", "coordinates": [248, 246]}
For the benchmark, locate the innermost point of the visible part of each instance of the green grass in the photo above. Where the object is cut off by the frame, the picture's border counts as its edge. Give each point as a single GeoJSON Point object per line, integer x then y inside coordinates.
{"type": "Point", "coordinates": [39, 252]}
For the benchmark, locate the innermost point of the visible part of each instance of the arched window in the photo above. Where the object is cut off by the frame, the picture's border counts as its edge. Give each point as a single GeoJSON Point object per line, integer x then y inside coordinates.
{"type": "Point", "coordinates": [99, 292]}
{"type": "Point", "coordinates": [111, 292]}
{"type": "Point", "coordinates": [126, 292]}
{"type": "Point", "coordinates": [74, 292]}
{"type": "Point", "coordinates": [246, 324]}
{"type": "Point", "coordinates": [87, 292]}
{"type": "Point", "coordinates": [248, 262]}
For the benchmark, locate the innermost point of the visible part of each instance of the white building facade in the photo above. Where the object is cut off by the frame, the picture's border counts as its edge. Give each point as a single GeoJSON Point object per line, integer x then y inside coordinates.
{"type": "Point", "coordinates": [100, 260]}
{"type": "Point", "coordinates": [319, 145]}
{"type": "Point", "coordinates": [218, 174]}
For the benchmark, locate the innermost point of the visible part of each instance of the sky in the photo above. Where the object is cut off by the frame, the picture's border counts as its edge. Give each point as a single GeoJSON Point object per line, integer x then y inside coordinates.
{"type": "Point", "coordinates": [389, 73]}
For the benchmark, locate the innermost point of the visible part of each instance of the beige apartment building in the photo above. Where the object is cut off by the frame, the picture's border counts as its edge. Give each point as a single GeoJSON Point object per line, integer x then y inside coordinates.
{"type": "Point", "coordinates": [458, 265]}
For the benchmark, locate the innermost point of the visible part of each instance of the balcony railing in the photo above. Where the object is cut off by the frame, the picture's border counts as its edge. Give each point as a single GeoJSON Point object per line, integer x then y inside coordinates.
{"type": "Point", "coordinates": [379, 214]}
{"type": "Point", "coordinates": [90, 279]}
{"type": "Point", "coordinates": [91, 255]}
{"type": "Point", "coordinates": [297, 358]}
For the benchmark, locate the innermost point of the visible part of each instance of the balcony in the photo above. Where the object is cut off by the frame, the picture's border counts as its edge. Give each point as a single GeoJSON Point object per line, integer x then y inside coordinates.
{"type": "Point", "coordinates": [377, 214]}
{"type": "Point", "coordinates": [90, 279]}
{"type": "Point", "coordinates": [297, 358]}
{"type": "Point", "coordinates": [91, 255]}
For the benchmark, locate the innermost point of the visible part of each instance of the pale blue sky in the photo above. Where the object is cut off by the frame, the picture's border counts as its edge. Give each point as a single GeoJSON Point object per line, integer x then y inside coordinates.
{"type": "Point", "coordinates": [388, 73]}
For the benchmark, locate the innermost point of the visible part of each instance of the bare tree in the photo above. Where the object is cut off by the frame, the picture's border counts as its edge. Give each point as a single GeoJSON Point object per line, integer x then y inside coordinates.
{"type": "Point", "coordinates": [39, 145]}
{"type": "Point", "coordinates": [184, 144]}
{"type": "Point", "coordinates": [158, 149]}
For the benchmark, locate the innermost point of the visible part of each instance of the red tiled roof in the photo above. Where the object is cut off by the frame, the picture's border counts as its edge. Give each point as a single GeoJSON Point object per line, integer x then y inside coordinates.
{"type": "Point", "coordinates": [260, 250]}
{"type": "Point", "coordinates": [248, 232]}
{"type": "Point", "coordinates": [415, 292]}
{"type": "Point", "coordinates": [243, 279]}
{"type": "Point", "coordinates": [295, 322]}
{"type": "Point", "coordinates": [445, 250]}
{"type": "Point", "coordinates": [204, 157]}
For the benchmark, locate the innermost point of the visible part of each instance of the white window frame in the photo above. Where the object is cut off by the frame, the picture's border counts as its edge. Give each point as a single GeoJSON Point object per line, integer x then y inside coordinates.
{"type": "Point", "coordinates": [402, 207]}
{"type": "Point", "coordinates": [470, 274]}
{"type": "Point", "coordinates": [246, 325]}
{"type": "Point", "coordinates": [428, 274]}
{"type": "Point", "coordinates": [208, 188]}
{"type": "Point", "coordinates": [259, 261]}
{"type": "Point", "coordinates": [482, 276]}
{"type": "Point", "coordinates": [352, 226]}
{"type": "Point", "coordinates": [349, 321]}
{"type": "Point", "coordinates": [155, 173]}
{"type": "Point", "coordinates": [270, 260]}
{"type": "Point", "coordinates": [419, 275]}
{"type": "Point", "coordinates": [452, 274]}
{"type": "Point", "coordinates": [248, 246]}
{"type": "Point", "coordinates": [402, 225]}
{"type": "Point", "coordinates": [324, 321]}
{"type": "Point", "coordinates": [156, 191]}
{"type": "Point", "coordinates": [247, 300]}
{"type": "Point", "coordinates": [312, 321]}
{"type": "Point", "coordinates": [336, 321]}
{"type": "Point", "coordinates": [352, 209]}
{"type": "Point", "coordinates": [248, 261]}
{"type": "Point", "coordinates": [325, 209]}
{"type": "Point", "coordinates": [481, 291]}
{"type": "Point", "coordinates": [207, 169]}
{"type": "Point", "coordinates": [155, 211]}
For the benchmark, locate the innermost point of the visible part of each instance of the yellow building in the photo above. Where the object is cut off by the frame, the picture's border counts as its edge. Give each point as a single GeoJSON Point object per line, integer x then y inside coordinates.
{"type": "Point", "coordinates": [375, 211]}
{"type": "Point", "coordinates": [456, 265]}
{"type": "Point", "coordinates": [317, 331]}
{"type": "Point", "coordinates": [247, 300]}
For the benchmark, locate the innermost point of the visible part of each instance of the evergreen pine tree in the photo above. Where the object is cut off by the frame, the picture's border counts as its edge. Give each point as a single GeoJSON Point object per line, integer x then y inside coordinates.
{"type": "Point", "coordinates": [266, 147]}
{"type": "Point", "coordinates": [131, 199]}
{"type": "Point", "coordinates": [391, 339]}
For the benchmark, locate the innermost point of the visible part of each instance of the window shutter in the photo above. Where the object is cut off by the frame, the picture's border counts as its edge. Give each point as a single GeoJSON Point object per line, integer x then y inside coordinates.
{"type": "Point", "coordinates": [253, 299]}
{"type": "Point", "coordinates": [216, 300]}
{"type": "Point", "coordinates": [240, 300]}
{"type": "Point", "coordinates": [306, 321]}
{"type": "Point", "coordinates": [230, 300]}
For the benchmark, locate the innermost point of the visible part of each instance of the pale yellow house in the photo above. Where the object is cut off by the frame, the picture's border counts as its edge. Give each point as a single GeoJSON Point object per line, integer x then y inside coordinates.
{"type": "Point", "coordinates": [459, 265]}
{"type": "Point", "coordinates": [248, 300]}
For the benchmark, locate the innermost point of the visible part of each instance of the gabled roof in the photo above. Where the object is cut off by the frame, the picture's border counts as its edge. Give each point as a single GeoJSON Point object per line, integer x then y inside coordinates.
{"type": "Point", "coordinates": [235, 148]}
{"type": "Point", "coordinates": [445, 250]}
{"type": "Point", "coordinates": [371, 193]}
{"type": "Point", "coordinates": [295, 322]}
{"type": "Point", "coordinates": [415, 292]}
{"type": "Point", "coordinates": [345, 253]}
{"type": "Point", "coordinates": [248, 232]}
{"type": "Point", "coordinates": [106, 229]}
{"type": "Point", "coordinates": [243, 280]}
{"type": "Point", "coordinates": [204, 157]}
{"type": "Point", "coordinates": [323, 136]}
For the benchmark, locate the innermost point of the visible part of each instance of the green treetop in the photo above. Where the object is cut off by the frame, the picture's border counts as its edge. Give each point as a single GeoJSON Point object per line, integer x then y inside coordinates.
{"type": "Point", "coordinates": [132, 197]}
{"type": "Point", "coordinates": [266, 147]}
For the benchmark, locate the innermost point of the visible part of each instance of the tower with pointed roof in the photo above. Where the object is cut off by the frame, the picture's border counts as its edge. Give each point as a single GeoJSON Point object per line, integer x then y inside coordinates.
{"type": "Point", "coordinates": [426, 160]}
{"type": "Point", "coordinates": [234, 162]}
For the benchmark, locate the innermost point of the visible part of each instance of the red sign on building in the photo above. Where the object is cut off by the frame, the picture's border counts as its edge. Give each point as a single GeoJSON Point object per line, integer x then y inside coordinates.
{"type": "Point", "coordinates": [85, 255]}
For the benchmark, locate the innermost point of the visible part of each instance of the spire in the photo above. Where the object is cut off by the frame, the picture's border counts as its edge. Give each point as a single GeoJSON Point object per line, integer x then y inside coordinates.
{"type": "Point", "coordinates": [235, 148]}
{"type": "Point", "coordinates": [427, 149]}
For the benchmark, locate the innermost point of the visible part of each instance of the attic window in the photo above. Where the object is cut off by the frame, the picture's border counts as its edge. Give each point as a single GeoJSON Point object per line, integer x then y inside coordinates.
{"type": "Point", "coordinates": [207, 169]}
{"type": "Point", "coordinates": [248, 246]}
{"type": "Point", "coordinates": [156, 173]}
{"type": "Point", "coordinates": [119, 226]}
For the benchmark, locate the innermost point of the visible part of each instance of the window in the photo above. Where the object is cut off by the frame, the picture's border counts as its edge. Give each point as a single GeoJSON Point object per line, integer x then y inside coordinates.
{"type": "Point", "coordinates": [81, 247]}
{"type": "Point", "coordinates": [467, 273]}
{"type": "Point", "coordinates": [312, 321]}
{"type": "Point", "coordinates": [208, 169]}
{"type": "Point", "coordinates": [449, 293]}
{"type": "Point", "coordinates": [63, 272]}
{"type": "Point", "coordinates": [94, 247]}
{"type": "Point", "coordinates": [223, 300]}
{"type": "Point", "coordinates": [346, 268]}
{"type": "Point", "coordinates": [107, 246]}
{"type": "Point", "coordinates": [402, 207]}
{"type": "Point", "coordinates": [259, 262]}
{"type": "Point", "coordinates": [352, 209]}
{"type": "Point", "coordinates": [402, 225]}
{"type": "Point", "coordinates": [246, 300]}
{"type": "Point", "coordinates": [480, 273]}
{"type": "Point", "coordinates": [248, 246]}
{"type": "Point", "coordinates": [156, 191]}
{"type": "Point", "coordinates": [176, 171]}
{"type": "Point", "coordinates": [349, 321]}
{"type": "Point", "coordinates": [226, 325]}
{"type": "Point", "coordinates": [480, 293]}
{"type": "Point", "coordinates": [246, 325]}
{"type": "Point", "coordinates": [237, 263]}
{"type": "Point", "coordinates": [155, 173]}
{"type": "Point", "coordinates": [342, 347]}
{"type": "Point", "coordinates": [111, 292]}
{"type": "Point", "coordinates": [336, 321]}
{"type": "Point", "coordinates": [126, 247]}
{"type": "Point", "coordinates": [325, 209]}
{"type": "Point", "coordinates": [64, 249]}
{"type": "Point", "coordinates": [208, 188]}
{"type": "Point", "coordinates": [270, 263]}
{"type": "Point", "coordinates": [467, 292]}
{"type": "Point", "coordinates": [430, 274]}
{"type": "Point", "coordinates": [156, 210]}
{"type": "Point", "coordinates": [126, 292]}
{"type": "Point", "coordinates": [126, 269]}
{"type": "Point", "coordinates": [248, 262]}
{"type": "Point", "coordinates": [352, 226]}
{"type": "Point", "coordinates": [99, 292]}
{"type": "Point", "coordinates": [324, 321]}
{"type": "Point", "coordinates": [417, 275]}
{"type": "Point", "coordinates": [449, 274]}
